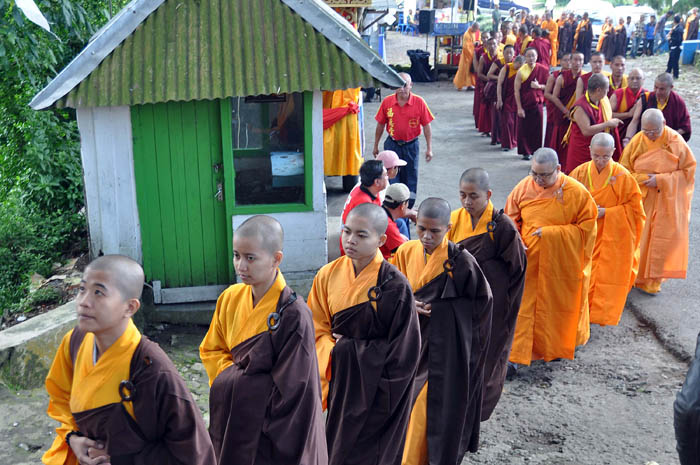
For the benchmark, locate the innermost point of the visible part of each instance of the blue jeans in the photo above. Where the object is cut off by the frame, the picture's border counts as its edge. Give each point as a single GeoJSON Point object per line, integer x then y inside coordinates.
{"type": "Point", "coordinates": [407, 174]}
{"type": "Point", "coordinates": [636, 42]}
{"type": "Point", "coordinates": [660, 44]}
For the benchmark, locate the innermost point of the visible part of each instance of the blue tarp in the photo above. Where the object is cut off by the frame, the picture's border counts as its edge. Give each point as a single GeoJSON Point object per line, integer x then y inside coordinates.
{"type": "Point", "coordinates": [503, 5]}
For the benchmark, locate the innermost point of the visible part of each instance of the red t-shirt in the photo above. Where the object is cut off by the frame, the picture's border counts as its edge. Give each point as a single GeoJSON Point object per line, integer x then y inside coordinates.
{"type": "Point", "coordinates": [404, 123]}
{"type": "Point", "coordinates": [393, 238]}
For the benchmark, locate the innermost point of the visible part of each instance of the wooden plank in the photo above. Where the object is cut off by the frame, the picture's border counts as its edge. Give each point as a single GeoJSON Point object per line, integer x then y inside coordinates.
{"type": "Point", "coordinates": [207, 187]}
{"type": "Point", "coordinates": [224, 261]}
{"type": "Point", "coordinates": [193, 187]}
{"type": "Point", "coordinates": [191, 294]}
{"type": "Point", "coordinates": [88, 154]}
{"type": "Point", "coordinates": [164, 174]}
{"type": "Point", "coordinates": [179, 181]}
{"type": "Point", "coordinates": [308, 148]}
{"type": "Point", "coordinates": [229, 178]}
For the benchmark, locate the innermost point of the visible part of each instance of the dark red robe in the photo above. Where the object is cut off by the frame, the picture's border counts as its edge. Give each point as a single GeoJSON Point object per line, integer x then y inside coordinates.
{"type": "Point", "coordinates": [544, 51]}
{"type": "Point", "coordinates": [530, 127]}
{"type": "Point", "coordinates": [266, 407]}
{"type": "Point", "coordinates": [578, 149]}
{"type": "Point", "coordinates": [625, 101]}
{"type": "Point", "coordinates": [567, 96]}
{"type": "Point", "coordinates": [509, 112]}
{"type": "Point", "coordinates": [373, 366]}
{"type": "Point", "coordinates": [454, 347]}
{"type": "Point", "coordinates": [551, 115]}
{"type": "Point", "coordinates": [487, 98]}
{"type": "Point", "coordinates": [478, 87]}
{"type": "Point", "coordinates": [168, 426]}
{"type": "Point", "coordinates": [495, 114]}
{"type": "Point", "coordinates": [611, 86]}
{"type": "Point", "coordinates": [675, 112]}
{"type": "Point", "coordinates": [503, 261]}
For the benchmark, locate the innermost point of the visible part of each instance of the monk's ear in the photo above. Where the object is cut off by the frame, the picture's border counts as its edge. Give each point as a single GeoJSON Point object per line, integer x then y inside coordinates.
{"type": "Point", "coordinates": [382, 239]}
{"type": "Point", "coordinates": [277, 256]}
{"type": "Point", "coordinates": [132, 306]}
{"type": "Point", "coordinates": [488, 194]}
{"type": "Point", "coordinates": [449, 226]}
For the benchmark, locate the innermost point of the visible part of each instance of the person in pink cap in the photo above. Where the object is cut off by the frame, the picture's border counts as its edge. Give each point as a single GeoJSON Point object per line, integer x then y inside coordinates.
{"type": "Point", "coordinates": [392, 162]}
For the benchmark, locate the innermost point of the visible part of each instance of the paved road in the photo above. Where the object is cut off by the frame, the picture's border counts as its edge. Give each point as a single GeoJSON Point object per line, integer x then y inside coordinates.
{"type": "Point", "coordinates": [674, 315]}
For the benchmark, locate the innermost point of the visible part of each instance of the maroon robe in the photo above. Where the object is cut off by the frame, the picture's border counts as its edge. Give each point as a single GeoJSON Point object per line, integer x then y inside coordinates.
{"type": "Point", "coordinates": [486, 97]}
{"type": "Point", "coordinates": [611, 86]}
{"type": "Point", "coordinates": [478, 87]}
{"type": "Point", "coordinates": [551, 115]}
{"type": "Point", "coordinates": [509, 112]}
{"type": "Point", "coordinates": [567, 96]}
{"type": "Point", "coordinates": [544, 51]}
{"type": "Point", "coordinates": [266, 407]}
{"type": "Point", "coordinates": [168, 429]}
{"type": "Point", "coordinates": [530, 127]}
{"type": "Point", "coordinates": [374, 366]}
{"type": "Point", "coordinates": [454, 346]}
{"type": "Point", "coordinates": [495, 114]}
{"type": "Point", "coordinates": [578, 149]}
{"type": "Point", "coordinates": [675, 112]}
{"type": "Point", "coordinates": [503, 261]}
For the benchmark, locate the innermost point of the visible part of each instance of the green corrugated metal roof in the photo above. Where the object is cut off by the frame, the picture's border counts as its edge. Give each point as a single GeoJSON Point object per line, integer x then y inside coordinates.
{"type": "Point", "coordinates": [211, 49]}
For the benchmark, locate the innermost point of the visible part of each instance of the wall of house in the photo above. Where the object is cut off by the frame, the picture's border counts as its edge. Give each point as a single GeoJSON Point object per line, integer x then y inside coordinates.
{"type": "Point", "coordinates": [305, 233]}
{"type": "Point", "coordinates": [108, 173]}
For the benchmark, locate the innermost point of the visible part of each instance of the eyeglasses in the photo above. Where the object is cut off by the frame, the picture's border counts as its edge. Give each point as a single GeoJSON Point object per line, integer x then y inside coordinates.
{"type": "Point", "coordinates": [541, 175]}
{"type": "Point", "coordinates": [651, 131]}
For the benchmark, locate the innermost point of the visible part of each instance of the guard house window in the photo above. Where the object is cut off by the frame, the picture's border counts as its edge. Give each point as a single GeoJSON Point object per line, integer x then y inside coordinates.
{"type": "Point", "coordinates": [268, 135]}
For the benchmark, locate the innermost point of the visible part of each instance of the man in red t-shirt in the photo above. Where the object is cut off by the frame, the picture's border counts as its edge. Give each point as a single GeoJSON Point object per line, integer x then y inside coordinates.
{"type": "Point", "coordinates": [403, 114]}
{"type": "Point", "coordinates": [396, 206]}
{"type": "Point", "coordinates": [373, 180]}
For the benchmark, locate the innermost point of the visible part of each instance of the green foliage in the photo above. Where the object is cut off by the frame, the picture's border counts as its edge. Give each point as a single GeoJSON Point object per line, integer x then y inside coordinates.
{"type": "Point", "coordinates": [41, 191]}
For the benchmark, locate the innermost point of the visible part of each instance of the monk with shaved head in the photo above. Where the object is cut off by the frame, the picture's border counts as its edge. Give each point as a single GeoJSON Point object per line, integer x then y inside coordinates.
{"type": "Point", "coordinates": [556, 217]}
{"type": "Point", "coordinates": [454, 305]}
{"type": "Point", "coordinates": [492, 238]}
{"type": "Point", "coordinates": [664, 166]}
{"type": "Point", "coordinates": [116, 395]}
{"type": "Point", "coordinates": [620, 222]}
{"type": "Point", "coordinates": [622, 100]}
{"type": "Point", "coordinates": [367, 341]}
{"type": "Point", "coordinates": [265, 399]}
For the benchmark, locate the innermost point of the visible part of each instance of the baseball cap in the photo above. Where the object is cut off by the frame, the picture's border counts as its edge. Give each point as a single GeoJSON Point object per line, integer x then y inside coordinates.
{"type": "Point", "coordinates": [397, 193]}
{"type": "Point", "coordinates": [390, 159]}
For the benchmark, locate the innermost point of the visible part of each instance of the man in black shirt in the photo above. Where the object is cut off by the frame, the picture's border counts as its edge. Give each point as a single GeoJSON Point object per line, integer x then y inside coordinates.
{"type": "Point", "coordinates": [675, 38]}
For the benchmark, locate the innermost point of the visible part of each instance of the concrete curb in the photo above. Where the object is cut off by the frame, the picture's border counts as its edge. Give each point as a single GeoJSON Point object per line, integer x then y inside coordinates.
{"type": "Point", "coordinates": [668, 341]}
{"type": "Point", "coordinates": [27, 349]}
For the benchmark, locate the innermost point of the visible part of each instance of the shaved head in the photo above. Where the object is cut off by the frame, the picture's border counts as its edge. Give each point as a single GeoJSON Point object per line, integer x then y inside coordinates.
{"type": "Point", "coordinates": [665, 78]}
{"type": "Point", "coordinates": [654, 118]}
{"type": "Point", "coordinates": [477, 176]}
{"type": "Point", "coordinates": [267, 229]}
{"type": "Point", "coordinates": [546, 156]}
{"type": "Point", "coordinates": [603, 139]}
{"type": "Point", "coordinates": [597, 81]}
{"type": "Point", "coordinates": [406, 77]}
{"type": "Point", "coordinates": [435, 208]}
{"type": "Point", "coordinates": [374, 214]}
{"type": "Point", "coordinates": [126, 274]}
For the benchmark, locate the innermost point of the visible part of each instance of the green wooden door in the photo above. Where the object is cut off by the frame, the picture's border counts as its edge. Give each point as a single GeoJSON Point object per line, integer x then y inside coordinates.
{"type": "Point", "coordinates": [179, 169]}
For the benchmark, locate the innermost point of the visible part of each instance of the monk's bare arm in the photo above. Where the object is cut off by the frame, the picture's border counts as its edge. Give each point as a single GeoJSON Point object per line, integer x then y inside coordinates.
{"type": "Point", "coordinates": [548, 87]}
{"type": "Point", "coordinates": [516, 94]}
{"type": "Point", "coordinates": [589, 130]}
{"type": "Point", "coordinates": [377, 137]}
{"type": "Point", "coordinates": [499, 87]}
{"type": "Point", "coordinates": [579, 88]}
{"type": "Point", "coordinates": [475, 62]}
{"type": "Point", "coordinates": [634, 124]}
{"type": "Point", "coordinates": [480, 69]}
{"type": "Point", "coordinates": [492, 75]}
{"type": "Point", "coordinates": [555, 96]}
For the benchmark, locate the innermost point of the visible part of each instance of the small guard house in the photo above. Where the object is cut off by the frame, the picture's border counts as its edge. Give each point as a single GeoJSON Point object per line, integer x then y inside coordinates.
{"type": "Point", "coordinates": [194, 115]}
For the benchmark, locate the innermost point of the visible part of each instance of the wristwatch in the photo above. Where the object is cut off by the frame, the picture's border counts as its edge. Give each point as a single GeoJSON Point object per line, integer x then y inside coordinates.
{"type": "Point", "coordinates": [73, 433]}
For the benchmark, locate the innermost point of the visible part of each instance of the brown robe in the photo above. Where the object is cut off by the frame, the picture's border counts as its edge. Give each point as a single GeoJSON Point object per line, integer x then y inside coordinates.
{"type": "Point", "coordinates": [454, 348]}
{"type": "Point", "coordinates": [503, 261]}
{"type": "Point", "coordinates": [169, 428]}
{"type": "Point", "coordinates": [373, 366]}
{"type": "Point", "coordinates": [267, 405]}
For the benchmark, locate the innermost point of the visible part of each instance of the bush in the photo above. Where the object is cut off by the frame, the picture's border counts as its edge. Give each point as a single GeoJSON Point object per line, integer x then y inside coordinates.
{"type": "Point", "coordinates": [30, 242]}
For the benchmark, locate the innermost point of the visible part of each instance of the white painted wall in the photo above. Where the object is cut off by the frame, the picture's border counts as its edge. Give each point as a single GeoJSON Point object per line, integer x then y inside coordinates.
{"type": "Point", "coordinates": [305, 233]}
{"type": "Point", "coordinates": [106, 149]}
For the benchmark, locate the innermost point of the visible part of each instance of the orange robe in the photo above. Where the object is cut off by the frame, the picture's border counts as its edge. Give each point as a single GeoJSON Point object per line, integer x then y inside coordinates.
{"type": "Point", "coordinates": [616, 252]}
{"type": "Point", "coordinates": [553, 317]}
{"type": "Point", "coordinates": [553, 29]}
{"type": "Point", "coordinates": [605, 33]}
{"type": "Point", "coordinates": [664, 243]}
{"type": "Point", "coordinates": [510, 39]}
{"type": "Point", "coordinates": [464, 76]}
{"type": "Point", "coordinates": [342, 149]}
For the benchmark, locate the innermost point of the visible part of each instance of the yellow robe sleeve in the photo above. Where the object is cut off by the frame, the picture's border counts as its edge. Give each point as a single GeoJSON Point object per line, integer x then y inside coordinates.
{"type": "Point", "coordinates": [325, 342]}
{"type": "Point", "coordinates": [214, 351]}
{"type": "Point", "coordinates": [58, 385]}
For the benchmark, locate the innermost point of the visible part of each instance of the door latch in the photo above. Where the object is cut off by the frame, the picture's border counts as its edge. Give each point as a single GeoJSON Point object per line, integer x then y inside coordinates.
{"type": "Point", "coordinates": [219, 195]}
